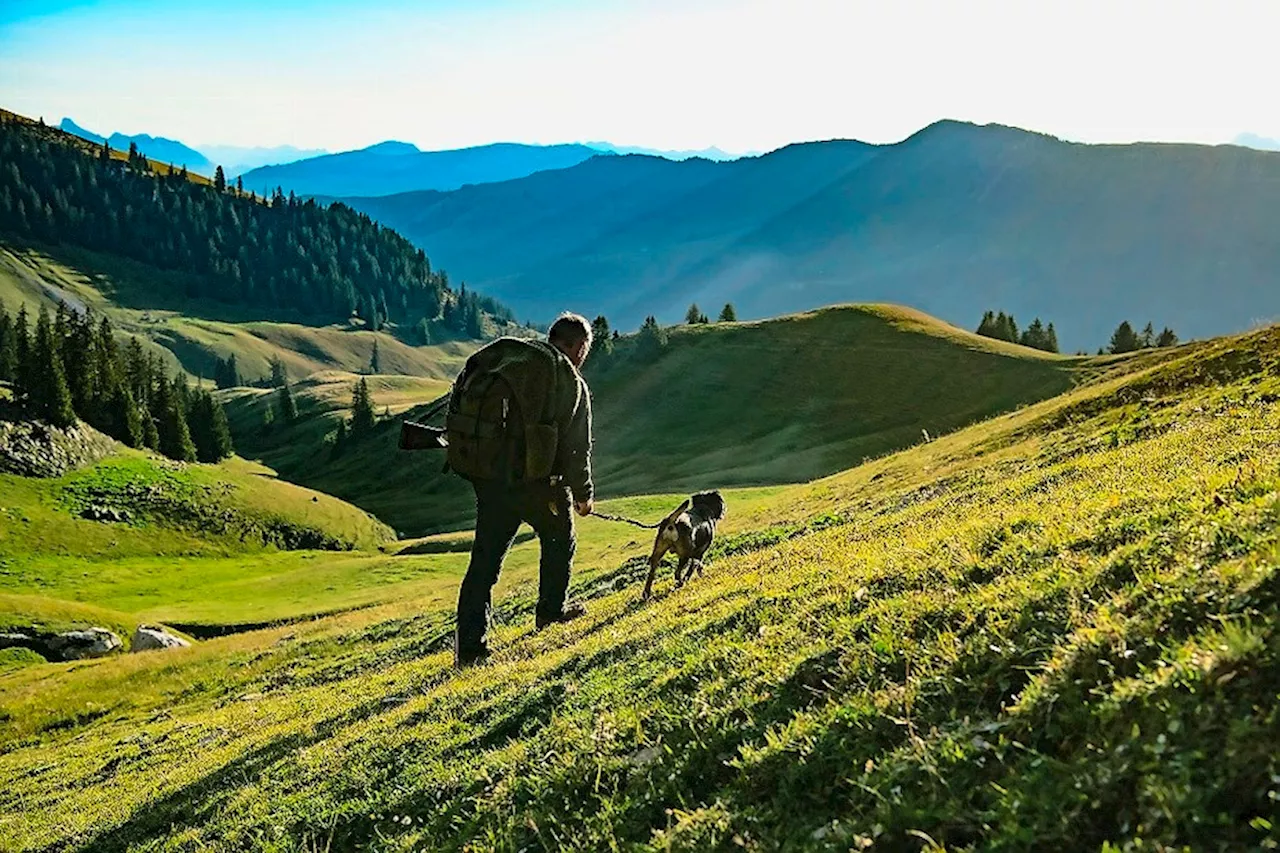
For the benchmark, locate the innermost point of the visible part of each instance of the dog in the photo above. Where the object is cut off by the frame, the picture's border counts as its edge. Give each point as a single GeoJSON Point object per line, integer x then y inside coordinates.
{"type": "Point", "coordinates": [688, 531]}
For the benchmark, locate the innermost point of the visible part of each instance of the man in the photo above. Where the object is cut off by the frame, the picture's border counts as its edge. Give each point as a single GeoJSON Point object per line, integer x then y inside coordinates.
{"type": "Point", "coordinates": [520, 431]}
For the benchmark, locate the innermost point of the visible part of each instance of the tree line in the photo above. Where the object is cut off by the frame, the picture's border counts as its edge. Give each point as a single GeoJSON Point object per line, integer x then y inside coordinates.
{"type": "Point", "coordinates": [71, 366]}
{"type": "Point", "coordinates": [1004, 327]}
{"type": "Point", "coordinates": [278, 252]}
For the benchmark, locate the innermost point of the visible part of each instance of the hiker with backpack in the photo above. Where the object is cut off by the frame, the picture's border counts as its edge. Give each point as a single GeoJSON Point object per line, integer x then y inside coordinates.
{"type": "Point", "coordinates": [519, 429]}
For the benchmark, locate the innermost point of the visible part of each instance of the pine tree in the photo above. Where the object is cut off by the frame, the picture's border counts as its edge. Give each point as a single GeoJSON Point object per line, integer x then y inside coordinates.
{"type": "Point", "coordinates": [1148, 337]}
{"type": "Point", "coordinates": [651, 339]}
{"type": "Point", "coordinates": [288, 405]}
{"type": "Point", "coordinates": [728, 314]}
{"type": "Point", "coordinates": [150, 432]}
{"type": "Point", "coordinates": [987, 327]}
{"type": "Point", "coordinates": [694, 315]}
{"type": "Point", "coordinates": [126, 419]}
{"type": "Point", "coordinates": [49, 395]}
{"type": "Point", "coordinates": [219, 180]}
{"type": "Point", "coordinates": [8, 348]}
{"type": "Point", "coordinates": [175, 435]}
{"type": "Point", "coordinates": [362, 413]}
{"type": "Point", "coordinates": [1035, 336]}
{"type": "Point", "coordinates": [279, 376]}
{"type": "Point", "coordinates": [1124, 339]}
{"type": "Point", "coordinates": [602, 341]}
{"type": "Point", "coordinates": [375, 362]}
{"type": "Point", "coordinates": [1167, 338]}
{"type": "Point", "coordinates": [23, 372]}
{"type": "Point", "coordinates": [209, 429]}
{"type": "Point", "coordinates": [1051, 339]}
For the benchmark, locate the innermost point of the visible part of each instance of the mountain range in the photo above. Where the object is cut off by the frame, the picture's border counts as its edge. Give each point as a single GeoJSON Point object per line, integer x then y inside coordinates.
{"type": "Point", "coordinates": [955, 219]}
{"type": "Point", "coordinates": [392, 167]}
{"type": "Point", "coordinates": [204, 159]}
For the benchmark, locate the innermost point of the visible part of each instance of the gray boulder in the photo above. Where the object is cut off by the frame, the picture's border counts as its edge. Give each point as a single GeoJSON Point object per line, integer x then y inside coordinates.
{"type": "Point", "coordinates": [89, 643]}
{"type": "Point", "coordinates": [149, 637]}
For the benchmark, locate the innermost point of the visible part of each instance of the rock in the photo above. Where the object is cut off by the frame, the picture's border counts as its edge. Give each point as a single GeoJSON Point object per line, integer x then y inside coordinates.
{"type": "Point", "coordinates": [17, 641]}
{"type": "Point", "coordinates": [89, 643]}
{"type": "Point", "coordinates": [149, 637]}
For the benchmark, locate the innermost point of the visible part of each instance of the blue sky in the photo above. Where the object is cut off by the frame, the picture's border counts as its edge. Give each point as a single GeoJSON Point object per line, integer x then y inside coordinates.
{"type": "Point", "coordinates": [740, 74]}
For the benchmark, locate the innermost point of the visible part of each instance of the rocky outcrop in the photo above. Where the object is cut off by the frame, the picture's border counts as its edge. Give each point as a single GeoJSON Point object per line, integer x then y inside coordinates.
{"type": "Point", "coordinates": [149, 637]}
{"type": "Point", "coordinates": [31, 448]}
{"type": "Point", "coordinates": [88, 643]}
{"type": "Point", "coordinates": [69, 645]}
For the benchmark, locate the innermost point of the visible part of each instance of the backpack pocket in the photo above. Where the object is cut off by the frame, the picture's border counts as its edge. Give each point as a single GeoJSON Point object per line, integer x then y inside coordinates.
{"type": "Point", "coordinates": [541, 441]}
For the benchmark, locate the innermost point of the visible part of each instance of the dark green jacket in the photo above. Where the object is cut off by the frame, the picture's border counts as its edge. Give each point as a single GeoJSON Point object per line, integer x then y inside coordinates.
{"type": "Point", "coordinates": [560, 397]}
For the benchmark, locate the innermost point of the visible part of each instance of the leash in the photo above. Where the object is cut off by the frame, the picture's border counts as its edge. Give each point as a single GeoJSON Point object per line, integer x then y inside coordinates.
{"type": "Point", "coordinates": [607, 517]}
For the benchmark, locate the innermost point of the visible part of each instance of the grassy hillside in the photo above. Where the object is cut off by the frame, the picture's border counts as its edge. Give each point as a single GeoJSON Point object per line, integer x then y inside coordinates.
{"type": "Point", "coordinates": [196, 544]}
{"type": "Point", "coordinates": [782, 401]}
{"type": "Point", "coordinates": [191, 334]}
{"type": "Point", "coordinates": [1054, 629]}
{"type": "Point", "coordinates": [953, 220]}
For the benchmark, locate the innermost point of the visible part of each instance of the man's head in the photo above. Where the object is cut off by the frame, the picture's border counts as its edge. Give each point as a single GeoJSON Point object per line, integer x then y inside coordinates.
{"type": "Point", "coordinates": [571, 334]}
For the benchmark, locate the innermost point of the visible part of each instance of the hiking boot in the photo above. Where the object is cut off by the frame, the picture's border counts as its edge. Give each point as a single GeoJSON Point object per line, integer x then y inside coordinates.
{"type": "Point", "coordinates": [464, 658]}
{"type": "Point", "coordinates": [568, 614]}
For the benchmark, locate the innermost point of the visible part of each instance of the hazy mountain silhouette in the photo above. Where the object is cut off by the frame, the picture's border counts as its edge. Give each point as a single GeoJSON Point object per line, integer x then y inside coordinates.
{"type": "Point", "coordinates": [393, 167]}
{"type": "Point", "coordinates": [1262, 143]}
{"type": "Point", "coordinates": [954, 220]}
{"type": "Point", "coordinates": [237, 159]}
{"type": "Point", "coordinates": [712, 153]}
{"type": "Point", "coordinates": [154, 147]}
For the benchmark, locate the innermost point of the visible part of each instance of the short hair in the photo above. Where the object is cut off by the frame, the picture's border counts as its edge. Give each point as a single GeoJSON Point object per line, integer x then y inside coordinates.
{"type": "Point", "coordinates": [570, 329]}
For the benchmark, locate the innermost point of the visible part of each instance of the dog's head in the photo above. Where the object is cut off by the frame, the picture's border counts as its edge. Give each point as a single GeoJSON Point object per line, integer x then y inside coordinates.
{"type": "Point", "coordinates": [709, 505]}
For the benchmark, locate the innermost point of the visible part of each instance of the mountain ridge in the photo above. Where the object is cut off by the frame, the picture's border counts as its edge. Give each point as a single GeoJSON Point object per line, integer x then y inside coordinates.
{"type": "Point", "coordinates": [952, 220]}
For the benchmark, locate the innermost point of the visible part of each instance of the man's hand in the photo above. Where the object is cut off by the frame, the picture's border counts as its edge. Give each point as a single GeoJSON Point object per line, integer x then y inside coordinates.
{"type": "Point", "coordinates": [584, 508]}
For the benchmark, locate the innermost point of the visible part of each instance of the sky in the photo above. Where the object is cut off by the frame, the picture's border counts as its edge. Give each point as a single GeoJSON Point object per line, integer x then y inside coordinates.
{"type": "Point", "coordinates": [672, 74]}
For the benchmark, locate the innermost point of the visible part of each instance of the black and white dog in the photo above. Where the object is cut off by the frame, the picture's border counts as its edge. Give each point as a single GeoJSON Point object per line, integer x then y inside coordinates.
{"type": "Point", "coordinates": [688, 531]}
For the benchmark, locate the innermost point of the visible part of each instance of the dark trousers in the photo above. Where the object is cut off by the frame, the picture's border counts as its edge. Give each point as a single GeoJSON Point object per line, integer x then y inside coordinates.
{"type": "Point", "coordinates": [500, 509]}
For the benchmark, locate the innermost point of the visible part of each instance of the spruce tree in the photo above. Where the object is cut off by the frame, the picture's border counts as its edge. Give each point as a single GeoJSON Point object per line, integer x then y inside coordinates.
{"type": "Point", "coordinates": [694, 315]}
{"type": "Point", "coordinates": [50, 397]}
{"type": "Point", "coordinates": [987, 327]}
{"type": "Point", "coordinates": [1167, 338]}
{"type": "Point", "coordinates": [219, 180]}
{"type": "Point", "coordinates": [126, 419]}
{"type": "Point", "coordinates": [339, 439]}
{"type": "Point", "coordinates": [279, 376]}
{"type": "Point", "coordinates": [1051, 339]}
{"type": "Point", "coordinates": [375, 362]}
{"type": "Point", "coordinates": [22, 372]}
{"type": "Point", "coordinates": [728, 314]}
{"type": "Point", "coordinates": [150, 432]}
{"type": "Point", "coordinates": [1148, 337]}
{"type": "Point", "coordinates": [1124, 339]}
{"type": "Point", "coordinates": [8, 348]}
{"type": "Point", "coordinates": [175, 435]}
{"type": "Point", "coordinates": [362, 414]}
{"type": "Point", "coordinates": [651, 339]}
{"type": "Point", "coordinates": [288, 405]}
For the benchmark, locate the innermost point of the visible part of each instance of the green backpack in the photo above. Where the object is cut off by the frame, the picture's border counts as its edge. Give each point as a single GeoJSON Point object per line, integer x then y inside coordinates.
{"type": "Point", "coordinates": [501, 423]}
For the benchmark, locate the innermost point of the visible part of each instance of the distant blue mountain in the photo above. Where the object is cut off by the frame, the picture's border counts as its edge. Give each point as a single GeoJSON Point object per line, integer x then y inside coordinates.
{"type": "Point", "coordinates": [1252, 140]}
{"type": "Point", "coordinates": [154, 147]}
{"type": "Point", "coordinates": [713, 153]}
{"type": "Point", "coordinates": [238, 159]}
{"type": "Point", "coordinates": [396, 167]}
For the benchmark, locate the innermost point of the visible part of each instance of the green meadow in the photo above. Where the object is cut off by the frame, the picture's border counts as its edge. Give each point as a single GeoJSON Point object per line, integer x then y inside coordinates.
{"type": "Point", "coordinates": [1047, 622]}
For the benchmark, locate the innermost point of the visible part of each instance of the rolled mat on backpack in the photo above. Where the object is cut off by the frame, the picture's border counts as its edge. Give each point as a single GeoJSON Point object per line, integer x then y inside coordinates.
{"type": "Point", "coordinates": [416, 436]}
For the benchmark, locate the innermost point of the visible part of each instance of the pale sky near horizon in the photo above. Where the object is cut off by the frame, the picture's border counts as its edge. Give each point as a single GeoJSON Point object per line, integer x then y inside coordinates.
{"type": "Point", "coordinates": [740, 74]}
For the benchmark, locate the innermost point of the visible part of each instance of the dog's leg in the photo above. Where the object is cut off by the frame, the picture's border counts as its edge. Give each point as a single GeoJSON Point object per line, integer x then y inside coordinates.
{"type": "Point", "coordinates": [648, 582]}
{"type": "Point", "coordinates": [697, 564]}
{"type": "Point", "coordinates": [682, 571]}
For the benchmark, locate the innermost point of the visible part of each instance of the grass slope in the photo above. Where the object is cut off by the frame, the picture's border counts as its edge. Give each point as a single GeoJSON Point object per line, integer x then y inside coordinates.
{"type": "Point", "coordinates": [780, 401]}
{"type": "Point", "coordinates": [146, 302]}
{"type": "Point", "coordinates": [200, 545]}
{"type": "Point", "coordinates": [1054, 629]}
